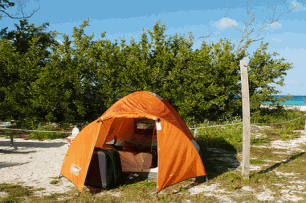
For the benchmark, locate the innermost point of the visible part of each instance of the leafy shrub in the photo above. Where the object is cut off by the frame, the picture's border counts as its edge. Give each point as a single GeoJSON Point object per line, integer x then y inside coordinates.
{"type": "Point", "coordinates": [46, 135]}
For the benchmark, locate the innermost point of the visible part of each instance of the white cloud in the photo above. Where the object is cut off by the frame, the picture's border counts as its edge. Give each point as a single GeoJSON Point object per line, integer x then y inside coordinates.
{"type": "Point", "coordinates": [297, 6]}
{"type": "Point", "coordinates": [276, 25]}
{"type": "Point", "coordinates": [226, 23]}
{"type": "Point", "coordinates": [292, 81]}
{"type": "Point", "coordinates": [277, 40]}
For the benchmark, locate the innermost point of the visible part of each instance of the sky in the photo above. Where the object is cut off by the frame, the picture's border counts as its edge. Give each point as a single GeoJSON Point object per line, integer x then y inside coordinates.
{"type": "Point", "coordinates": [127, 19]}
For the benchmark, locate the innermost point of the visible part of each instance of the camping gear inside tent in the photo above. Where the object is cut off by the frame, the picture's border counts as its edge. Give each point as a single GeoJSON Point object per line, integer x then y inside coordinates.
{"type": "Point", "coordinates": [104, 169]}
{"type": "Point", "coordinates": [147, 132]}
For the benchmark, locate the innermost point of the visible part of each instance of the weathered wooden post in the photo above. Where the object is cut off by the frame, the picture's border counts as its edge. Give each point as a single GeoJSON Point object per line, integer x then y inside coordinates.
{"type": "Point", "coordinates": [246, 120]}
{"type": "Point", "coordinates": [305, 123]}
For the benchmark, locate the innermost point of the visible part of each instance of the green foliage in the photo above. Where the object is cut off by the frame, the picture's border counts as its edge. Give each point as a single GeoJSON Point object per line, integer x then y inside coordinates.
{"type": "Point", "coordinates": [5, 4]}
{"type": "Point", "coordinates": [9, 199]}
{"type": "Point", "coordinates": [283, 133]}
{"type": "Point", "coordinates": [46, 135]}
{"type": "Point", "coordinates": [23, 55]}
{"type": "Point", "coordinates": [258, 141]}
{"type": "Point", "coordinates": [256, 161]}
{"type": "Point", "coordinates": [264, 73]}
{"type": "Point", "coordinates": [15, 192]}
{"type": "Point", "coordinates": [81, 78]}
{"type": "Point", "coordinates": [140, 185]}
{"type": "Point", "coordinates": [279, 115]}
{"type": "Point", "coordinates": [23, 35]}
{"type": "Point", "coordinates": [54, 182]}
{"type": "Point", "coordinates": [229, 137]}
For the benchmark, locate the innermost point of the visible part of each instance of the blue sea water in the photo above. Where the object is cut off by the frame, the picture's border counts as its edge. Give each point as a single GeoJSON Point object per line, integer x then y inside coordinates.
{"type": "Point", "coordinates": [293, 101]}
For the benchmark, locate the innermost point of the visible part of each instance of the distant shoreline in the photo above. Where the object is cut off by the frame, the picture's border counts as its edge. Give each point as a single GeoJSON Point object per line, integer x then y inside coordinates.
{"type": "Point", "coordinates": [283, 95]}
{"type": "Point", "coordinates": [286, 107]}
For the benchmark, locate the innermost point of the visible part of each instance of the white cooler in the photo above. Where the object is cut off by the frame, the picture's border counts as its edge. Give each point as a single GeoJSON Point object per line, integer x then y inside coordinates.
{"type": "Point", "coordinates": [75, 131]}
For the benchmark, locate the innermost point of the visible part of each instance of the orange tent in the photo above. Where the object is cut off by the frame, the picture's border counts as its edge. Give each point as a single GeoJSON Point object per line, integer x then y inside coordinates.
{"type": "Point", "coordinates": [177, 151]}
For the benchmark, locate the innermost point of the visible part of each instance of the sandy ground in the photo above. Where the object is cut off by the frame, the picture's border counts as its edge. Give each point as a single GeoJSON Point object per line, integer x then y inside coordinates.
{"type": "Point", "coordinates": [288, 194]}
{"type": "Point", "coordinates": [37, 163]}
{"type": "Point", "coordinates": [34, 163]}
{"type": "Point", "coordinates": [288, 107]}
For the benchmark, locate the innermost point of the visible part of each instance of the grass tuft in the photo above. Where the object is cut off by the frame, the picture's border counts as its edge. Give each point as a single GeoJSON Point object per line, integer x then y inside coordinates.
{"type": "Point", "coordinates": [257, 161]}
{"type": "Point", "coordinates": [54, 182]}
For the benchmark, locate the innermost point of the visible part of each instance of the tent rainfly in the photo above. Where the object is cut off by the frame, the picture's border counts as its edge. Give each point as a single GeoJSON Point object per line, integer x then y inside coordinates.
{"type": "Point", "coordinates": [139, 122]}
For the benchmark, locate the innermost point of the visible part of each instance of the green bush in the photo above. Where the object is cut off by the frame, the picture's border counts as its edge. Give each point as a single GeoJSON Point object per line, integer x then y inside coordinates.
{"type": "Point", "coordinates": [81, 78]}
{"type": "Point", "coordinates": [46, 135]}
{"type": "Point", "coordinates": [227, 137]}
{"type": "Point", "coordinates": [231, 136]}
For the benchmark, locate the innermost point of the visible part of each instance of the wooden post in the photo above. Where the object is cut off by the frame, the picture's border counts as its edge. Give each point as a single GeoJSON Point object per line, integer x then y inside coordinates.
{"type": "Point", "coordinates": [305, 123]}
{"type": "Point", "coordinates": [246, 120]}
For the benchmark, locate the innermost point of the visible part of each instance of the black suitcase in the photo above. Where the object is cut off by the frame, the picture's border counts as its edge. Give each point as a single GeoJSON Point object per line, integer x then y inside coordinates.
{"type": "Point", "coordinates": [105, 169]}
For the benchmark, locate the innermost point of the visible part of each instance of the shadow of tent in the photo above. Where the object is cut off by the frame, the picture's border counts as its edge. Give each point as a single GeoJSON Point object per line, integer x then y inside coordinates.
{"type": "Point", "coordinates": [126, 180]}
{"type": "Point", "coordinates": [34, 144]}
{"type": "Point", "coordinates": [218, 157]}
{"type": "Point", "coordinates": [13, 151]}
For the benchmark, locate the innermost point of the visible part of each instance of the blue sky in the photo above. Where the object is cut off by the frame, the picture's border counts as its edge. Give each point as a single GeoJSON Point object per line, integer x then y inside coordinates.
{"type": "Point", "coordinates": [123, 18]}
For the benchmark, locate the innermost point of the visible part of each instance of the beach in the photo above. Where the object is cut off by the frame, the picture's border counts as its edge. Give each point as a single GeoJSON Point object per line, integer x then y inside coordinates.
{"type": "Point", "coordinates": [287, 107]}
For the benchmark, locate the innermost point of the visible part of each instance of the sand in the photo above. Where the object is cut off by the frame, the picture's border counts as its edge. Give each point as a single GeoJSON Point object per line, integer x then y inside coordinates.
{"type": "Point", "coordinates": [34, 163]}
{"type": "Point", "coordinates": [287, 107]}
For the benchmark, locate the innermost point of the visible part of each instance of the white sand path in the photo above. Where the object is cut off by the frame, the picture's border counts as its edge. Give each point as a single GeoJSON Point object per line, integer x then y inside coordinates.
{"type": "Point", "coordinates": [34, 163]}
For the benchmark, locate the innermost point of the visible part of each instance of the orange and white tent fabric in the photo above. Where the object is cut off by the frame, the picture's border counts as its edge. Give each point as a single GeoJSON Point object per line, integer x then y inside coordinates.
{"type": "Point", "coordinates": [178, 157]}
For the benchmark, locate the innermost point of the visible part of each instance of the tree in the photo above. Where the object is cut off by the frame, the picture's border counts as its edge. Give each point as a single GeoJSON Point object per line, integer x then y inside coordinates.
{"type": "Point", "coordinates": [82, 78]}
{"type": "Point", "coordinates": [23, 57]}
{"type": "Point", "coordinates": [264, 73]}
{"type": "Point", "coordinates": [6, 4]}
{"type": "Point", "coordinates": [22, 36]}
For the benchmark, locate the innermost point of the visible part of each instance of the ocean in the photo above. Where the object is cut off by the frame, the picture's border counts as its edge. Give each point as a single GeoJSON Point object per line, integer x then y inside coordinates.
{"type": "Point", "coordinates": [293, 101]}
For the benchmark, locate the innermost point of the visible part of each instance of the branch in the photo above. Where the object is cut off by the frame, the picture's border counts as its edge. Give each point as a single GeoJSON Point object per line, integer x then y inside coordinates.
{"type": "Point", "coordinates": [23, 17]}
{"type": "Point", "coordinates": [246, 33]}
{"type": "Point", "coordinates": [204, 37]}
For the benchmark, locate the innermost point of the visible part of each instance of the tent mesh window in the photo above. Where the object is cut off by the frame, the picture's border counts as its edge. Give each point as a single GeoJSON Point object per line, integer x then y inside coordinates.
{"type": "Point", "coordinates": [145, 129]}
{"type": "Point", "coordinates": [144, 133]}
{"type": "Point", "coordinates": [142, 142]}
{"type": "Point", "coordinates": [144, 126]}
{"type": "Point", "coordinates": [142, 138]}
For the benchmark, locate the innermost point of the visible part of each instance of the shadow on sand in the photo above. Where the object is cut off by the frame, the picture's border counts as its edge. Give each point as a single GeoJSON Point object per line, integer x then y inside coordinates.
{"type": "Point", "coordinates": [4, 164]}
{"type": "Point", "coordinates": [217, 158]}
{"type": "Point", "coordinates": [5, 142]}
{"type": "Point", "coordinates": [271, 168]}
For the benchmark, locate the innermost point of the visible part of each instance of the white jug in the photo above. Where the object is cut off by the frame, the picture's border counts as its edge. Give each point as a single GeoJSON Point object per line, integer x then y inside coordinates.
{"type": "Point", "coordinates": [75, 131]}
